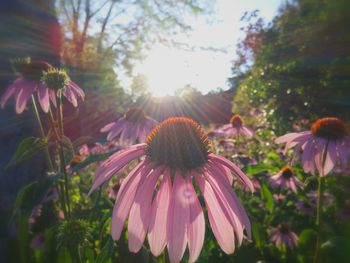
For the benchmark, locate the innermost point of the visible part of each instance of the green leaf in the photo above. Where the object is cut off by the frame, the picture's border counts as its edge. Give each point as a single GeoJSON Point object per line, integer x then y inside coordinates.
{"type": "Point", "coordinates": [257, 235]}
{"type": "Point", "coordinates": [91, 159]}
{"type": "Point", "coordinates": [267, 196]}
{"type": "Point", "coordinates": [31, 195]}
{"type": "Point", "coordinates": [106, 252]}
{"type": "Point", "coordinates": [27, 148]}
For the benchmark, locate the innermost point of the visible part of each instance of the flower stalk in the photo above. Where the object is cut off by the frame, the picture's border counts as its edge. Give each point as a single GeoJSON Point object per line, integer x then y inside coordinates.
{"type": "Point", "coordinates": [61, 153]}
{"type": "Point", "coordinates": [43, 136]}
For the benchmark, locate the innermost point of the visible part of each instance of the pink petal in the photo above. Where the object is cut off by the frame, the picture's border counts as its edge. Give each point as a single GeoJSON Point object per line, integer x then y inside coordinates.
{"type": "Point", "coordinates": [220, 225]}
{"type": "Point", "coordinates": [159, 216]}
{"type": "Point", "coordinates": [77, 90]}
{"type": "Point", "coordinates": [177, 237]}
{"type": "Point", "coordinates": [52, 94]}
{"type": "Point", "coordinates": [233, 201]}
{"type": "Point", "coordinates": [288, 137]}
{"type": "Point", "coordinates": [116, 129]}
{"type": "Point", "coordinates": [10, 91]}
{"type": "Point", "coordinates": [196, 227]}
{"type": "Point", "coordinates": [247, 132]}
{"type": "Point", "coordinates": [331, 158]}
{"type": "Point", "coordinates": [221, 160]}
{"type": "Point", "coordinates": [228, 206]}
{"type": "Point", "coordinates": [141, 211]}
{"type": "Point", "coordinates": [223, 170]}
{"type": "Point", "coordinates": [68, 93]}
{"type": "Point", "coordinates": [43, 97]}
{"type": "Point", "coordinates": [114, 163]}
{"type": "Point", "coordinates": [125, 198]}
{"type": "Point", "coordinates": [23, 96]}
{"type": "Point", "coordinates": [107, 127]}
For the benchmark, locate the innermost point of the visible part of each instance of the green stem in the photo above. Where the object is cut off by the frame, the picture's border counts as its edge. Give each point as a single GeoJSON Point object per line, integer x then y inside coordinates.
{"type": "Point", "coordinates": [43, 136]}
{"type": "Point", "coordinates": [61, 153]}
{"type": "Point", "coordinates": [319, 219]}
{"type": "Point", "coordinates": [97, 200]}
{"type": "Point", "coordinates": [319, 208]}
{"type": "Point", "coordinates": [61, 184]}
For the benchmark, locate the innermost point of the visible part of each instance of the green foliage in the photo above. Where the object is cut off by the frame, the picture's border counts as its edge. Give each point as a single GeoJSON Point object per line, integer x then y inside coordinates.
{"type": "Point", "coordinates": [27, 148]}
{"type": "Point", "coordinates": [301, 67]}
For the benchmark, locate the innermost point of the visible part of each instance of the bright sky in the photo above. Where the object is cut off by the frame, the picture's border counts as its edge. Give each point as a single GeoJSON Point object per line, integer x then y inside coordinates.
{"type": "Point", "coordinates": [167, 69]}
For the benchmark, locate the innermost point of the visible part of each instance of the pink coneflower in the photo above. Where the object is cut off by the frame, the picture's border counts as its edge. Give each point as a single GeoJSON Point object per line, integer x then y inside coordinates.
{"type": "Point", "coordinates": [58, 80]}
{"type": "Point", "coordinates": [236, 127]}
{"type": "Point", "coordinates": [32, 79]}
{"type": "Point", "coordinates": [177, 153]}
{"type": "Point", "coordinates": [28, 83]}
{"type": "Point", "coordinates": [286, 178]}
{"type": "Point", "coordinates": [322, 148]}
{"type": "Point", "coordinates": [133, 126]}
{"type": "Point", "coordinates": [282, 235]}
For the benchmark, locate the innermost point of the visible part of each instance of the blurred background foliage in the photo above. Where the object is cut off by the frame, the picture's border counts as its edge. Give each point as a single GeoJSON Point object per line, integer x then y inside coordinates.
{"type": "Point", "coordinates": [298, 66]}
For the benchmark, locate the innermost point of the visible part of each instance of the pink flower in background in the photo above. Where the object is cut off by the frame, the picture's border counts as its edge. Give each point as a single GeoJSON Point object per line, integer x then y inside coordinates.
{"type": "Point", "coordinates": [58, 80]}
{"type": "Point", "coordinates": [31, 82]}
{"type": "Point", "coordinates": [328, 198]}
{"type": "Point", "coordinates": [321, 149]}
{"type": "Point", "coordinates": [286, 178]}
{"type": "Point", "coordinates": [134, 126]}
{"type": "Point", "coordinates": [27, 84]}
{"type": "Point", "coordinates": [159, 198]}
{"type": "Point", "coordinates": [306, 207]}
{"type": "Point", "coordinates": [213, 134]}
{"type": "Point", "coordinates": [236, 127]}
{"type": "Point", "coordinates": [278, 198]}
{"type": "Point", "coordinates": [282, 235]}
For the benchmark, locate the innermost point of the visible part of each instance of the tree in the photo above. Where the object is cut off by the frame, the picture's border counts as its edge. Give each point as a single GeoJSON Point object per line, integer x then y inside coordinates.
{"type": "Point", "coordinates": [301, 66]}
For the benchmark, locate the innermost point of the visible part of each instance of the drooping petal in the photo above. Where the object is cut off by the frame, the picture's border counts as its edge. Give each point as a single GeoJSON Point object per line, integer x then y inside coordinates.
{"type": "Point", "coordinates": [219, 223]}
{"type": "Point", "coordinates": [179, 220]}
{"type": "Point", "coordinates": [247, 132]}
{"type": "Point", "coordinates": [43, 97]}
{"type": "Point", "coordinates": [288, 137]}
{"type": "Point", "coordinates": [116, 129]}
{"type": "Point", "coordinates": [196, 227]}
{"type": "Point", "coordinates": [25, 91]}
{"type": "Point", "coordinates": [76, 89]}
{"type": "Point", "coordinates": [68, 93]}
{"type": "Point", "coordinates": [141, 211]}
{"type": "Point", "coordinates": [331, 157]}
{"type": "Point", "coordinates": [228, 205]}
{"type": "Point", "coordinates": [127, 129]}
{"type": "Point", "coordinates": [125, 199]}
{"type": "Point", "coordinates": [233, 202]}
{"type": "Point", "coordinates": [157, 232]}
{"type": "Point", "coordinates": [108, 127]}
{"type": "Point", "coordinates": [114, 163]}
{"type": "Point", "coordinates": [10, 91]}
{"type": "Point", "coordinates": [218, 159]}
{"type": "Point", "coordinates": [52, 94]}
{"type": "Point", "coordinates": [223, 170]}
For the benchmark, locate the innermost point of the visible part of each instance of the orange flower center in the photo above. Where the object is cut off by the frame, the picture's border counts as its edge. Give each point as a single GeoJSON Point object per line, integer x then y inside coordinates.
{"type": "Point", "coordinates": [34, 70]}
{"type": "Point", "coordinates": [135, 115]}
{"type": "Point", "coordinates": [287, 172]}
{"type": "Point", "coordinates": [236, 121]}
{"type": "Point", "coordinates": [178, 142]}
{"type": "Point", "coordinates": [329, 128]}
